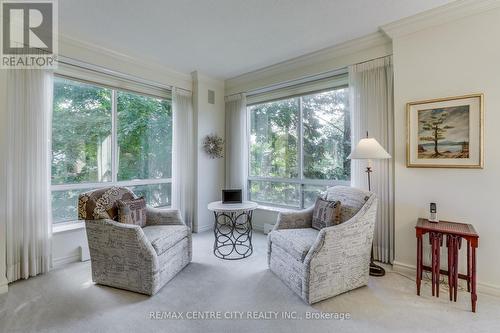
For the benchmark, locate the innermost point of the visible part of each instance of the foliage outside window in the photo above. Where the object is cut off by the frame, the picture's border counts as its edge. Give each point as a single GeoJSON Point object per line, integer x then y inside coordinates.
{"type": "Point", "coordinates": [299, 147]}
{"type": "Point", "coordinates": [103, 137]}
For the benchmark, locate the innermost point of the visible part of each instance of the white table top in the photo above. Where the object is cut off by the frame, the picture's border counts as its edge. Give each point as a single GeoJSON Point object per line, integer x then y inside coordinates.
{"type": "Point", "coordinates": [218, 206]}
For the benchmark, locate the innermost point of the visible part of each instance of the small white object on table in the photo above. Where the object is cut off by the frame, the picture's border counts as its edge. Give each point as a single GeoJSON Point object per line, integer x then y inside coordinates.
{"type": "Point", "coordinates": [233, 229]}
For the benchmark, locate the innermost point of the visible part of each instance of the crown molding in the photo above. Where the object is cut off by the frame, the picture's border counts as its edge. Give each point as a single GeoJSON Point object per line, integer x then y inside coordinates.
{"type": "Point", "coordinates": [169, 76]}
{"type": "Point", "coordinates": [324, 60]}
{"type": "Point", "coordinates": [351, 46]}
{"type": "Point", "coordinates": [438, 16]}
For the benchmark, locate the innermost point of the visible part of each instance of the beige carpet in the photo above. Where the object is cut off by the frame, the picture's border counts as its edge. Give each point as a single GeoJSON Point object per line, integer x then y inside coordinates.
{"type": "Point", "coordinates": [66, 300]}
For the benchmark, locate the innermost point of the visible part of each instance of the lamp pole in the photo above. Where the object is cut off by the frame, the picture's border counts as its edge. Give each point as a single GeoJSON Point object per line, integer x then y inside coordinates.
{"type": "Point", "coordinates": [368, 171]}
{"type": "Point", "coordinates": [375, 270]}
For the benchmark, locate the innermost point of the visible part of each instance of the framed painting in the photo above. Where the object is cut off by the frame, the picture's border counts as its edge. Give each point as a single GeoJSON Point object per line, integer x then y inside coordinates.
{"type": "Point", "coordinates": [445, 133]}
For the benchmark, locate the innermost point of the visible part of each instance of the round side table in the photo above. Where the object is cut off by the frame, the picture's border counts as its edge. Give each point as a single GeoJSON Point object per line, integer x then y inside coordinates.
{"type": "Point", "coordinates": [233, 229]}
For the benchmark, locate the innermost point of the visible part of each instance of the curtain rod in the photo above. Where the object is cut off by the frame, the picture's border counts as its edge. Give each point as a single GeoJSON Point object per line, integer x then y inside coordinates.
{"type": "Point", "coordinates": [102, 70]}
{"type": "Point", "coordinates": [363, 62]}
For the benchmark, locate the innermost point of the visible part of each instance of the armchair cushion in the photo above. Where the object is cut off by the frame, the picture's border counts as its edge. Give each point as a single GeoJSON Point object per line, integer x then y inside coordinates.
{"type": "Point", "coordinates": [325, 214]}
{"type": "Point", "coordinates": [132, 211]}
{"type": "Point", "coordinates": [296, 242]}
{"type": "Point", "coordinates": [163, 237]}
{"type": "Point", "coordinates": [156, 216]}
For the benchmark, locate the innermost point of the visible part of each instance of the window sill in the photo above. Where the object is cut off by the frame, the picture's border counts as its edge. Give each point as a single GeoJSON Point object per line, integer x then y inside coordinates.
{"type": "Point", "coordinates": [67, 226]}
{"type": "Point", "coordinates": [275, 209]}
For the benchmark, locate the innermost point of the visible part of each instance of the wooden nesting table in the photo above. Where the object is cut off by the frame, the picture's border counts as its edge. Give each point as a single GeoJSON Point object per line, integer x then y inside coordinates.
{"type": "Point", "coordinates": [453, 233]}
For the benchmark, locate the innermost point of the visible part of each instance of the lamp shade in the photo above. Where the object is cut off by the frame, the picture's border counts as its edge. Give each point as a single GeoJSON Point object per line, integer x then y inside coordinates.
{"type": "Point", "coordinates": [369, 149]}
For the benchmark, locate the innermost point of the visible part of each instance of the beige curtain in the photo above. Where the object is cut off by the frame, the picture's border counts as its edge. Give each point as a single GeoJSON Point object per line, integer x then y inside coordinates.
{"type": "Point", "coordinates": [183, 173]}
{"type": "Point", "coordinates": [372, 109]}
{"type": "Point", "coordinates": [236, 142]}
{"type": "Point", "coordinates": [25, 172]}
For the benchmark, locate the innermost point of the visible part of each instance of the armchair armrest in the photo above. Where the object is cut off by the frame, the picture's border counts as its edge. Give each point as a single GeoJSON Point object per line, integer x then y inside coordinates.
{"type": "Point", "coordinates": [294, 220]}
{"type": "Point", "coordinates": [108, 235]}
{"type": "Point", "coordinates": [156, 216]}
{"type": "Point", "coordinates": [121, 256]}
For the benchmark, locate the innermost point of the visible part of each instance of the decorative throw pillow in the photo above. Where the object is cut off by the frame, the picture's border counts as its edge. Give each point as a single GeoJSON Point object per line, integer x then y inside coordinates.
{"type": "Point", "coordinates": [325, 214]}
{"type": "Point", "coordinates": [132, 211]}
{"type": "Point", "coordinates": [102, 203]}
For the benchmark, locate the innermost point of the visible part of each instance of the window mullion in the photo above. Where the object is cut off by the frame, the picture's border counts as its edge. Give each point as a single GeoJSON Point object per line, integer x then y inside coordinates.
{"type": "Point", "coordinates": [114, 138]}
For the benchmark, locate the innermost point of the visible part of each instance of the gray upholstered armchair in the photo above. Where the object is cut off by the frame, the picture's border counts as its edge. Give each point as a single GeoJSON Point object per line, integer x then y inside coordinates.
{"type": "Point", "coordinates": [321, 264]}
{"type": "Point", "coordinates": [127, 256]}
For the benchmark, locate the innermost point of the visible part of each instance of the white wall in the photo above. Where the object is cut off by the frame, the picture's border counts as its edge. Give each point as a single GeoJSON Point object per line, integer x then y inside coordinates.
{"type": "Point", "coordinates": [66, 246]}
{"type": "Point", "coordinates": [456, 58]}
{"type": "Point", "coordinates": [209, 119]}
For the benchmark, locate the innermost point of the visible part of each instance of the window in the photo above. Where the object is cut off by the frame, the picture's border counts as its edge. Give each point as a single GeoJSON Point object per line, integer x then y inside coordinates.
{"type": "Point", "coordinates": [103, 137]}
{"type": "Point", "coordinates": [298, 147]}
{"type": "Point", "coordinates": [81, 133]}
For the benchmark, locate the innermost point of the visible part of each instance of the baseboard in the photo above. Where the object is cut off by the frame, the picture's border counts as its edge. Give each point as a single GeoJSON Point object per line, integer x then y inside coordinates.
{"type": "Point", "coordinates": [205, 228]}
{"type": "Point", "coordinates": [84, 253]}
{"type": "Point", "coordinates": [57, 262]}
{"type": "Point", "coordinates": [483, 288]}
{"type": "Point", "coordinates": [404, 268]}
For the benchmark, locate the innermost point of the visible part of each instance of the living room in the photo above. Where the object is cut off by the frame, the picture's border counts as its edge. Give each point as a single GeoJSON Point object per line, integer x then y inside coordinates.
{"type": "Point", "coordinates": [249, 166]}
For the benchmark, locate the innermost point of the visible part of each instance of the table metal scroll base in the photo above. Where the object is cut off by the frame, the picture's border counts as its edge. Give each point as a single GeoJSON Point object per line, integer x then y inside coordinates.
{"type": "Point", "coordinates": [233, 234]}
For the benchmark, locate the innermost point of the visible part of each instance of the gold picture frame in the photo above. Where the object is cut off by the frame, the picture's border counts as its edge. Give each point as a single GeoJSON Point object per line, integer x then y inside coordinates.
{"type": "Point", "coordinates": [446, 132]}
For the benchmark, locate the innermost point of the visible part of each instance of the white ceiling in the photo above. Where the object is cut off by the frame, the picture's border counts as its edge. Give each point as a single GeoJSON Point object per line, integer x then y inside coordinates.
{"type": "Point", "coordinates": [226, 38]}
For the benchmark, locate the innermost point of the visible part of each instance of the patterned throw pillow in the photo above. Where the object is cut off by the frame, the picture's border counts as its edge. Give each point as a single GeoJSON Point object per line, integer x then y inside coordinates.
{"type": "Point", "coordinates": [325, 214]}
{"type": "Point", "coordinates": [102, 203]}
{"type": "Point", "coordinates": [132, 211]}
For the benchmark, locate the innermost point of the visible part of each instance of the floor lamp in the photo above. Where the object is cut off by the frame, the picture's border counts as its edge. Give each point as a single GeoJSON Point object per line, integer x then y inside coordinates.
{"type": "Point", "coordinates": [369, 149]}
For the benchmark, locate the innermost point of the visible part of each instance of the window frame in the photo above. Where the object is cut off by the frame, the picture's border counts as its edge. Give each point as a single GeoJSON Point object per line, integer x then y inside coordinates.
{"type": "Point", "coordinates": [301, 180]}
{"type": "Point", "coordinates": [114, 150]}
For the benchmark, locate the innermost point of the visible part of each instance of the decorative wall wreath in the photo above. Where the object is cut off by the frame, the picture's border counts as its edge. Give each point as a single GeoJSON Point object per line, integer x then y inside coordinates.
{"type": "Point", "coordinates": [213, 145]}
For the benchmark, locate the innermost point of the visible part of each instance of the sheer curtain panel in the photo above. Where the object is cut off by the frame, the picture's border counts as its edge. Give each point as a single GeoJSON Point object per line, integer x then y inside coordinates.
{"type": "Point", "coordinates": [236, 142]}
{"type": "Point", "coordinates": [372, 109]}
{"type": "Point", "coordinates": [183, 154]}
{"type": "Point", "coordinates": [25, 172]}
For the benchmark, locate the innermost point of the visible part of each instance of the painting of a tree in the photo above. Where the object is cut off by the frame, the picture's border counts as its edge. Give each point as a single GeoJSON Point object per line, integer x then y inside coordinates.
{"type": "Point", "coordinates": [436, 126]}
{"type": "Point", "coordinates": [444, 132]}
